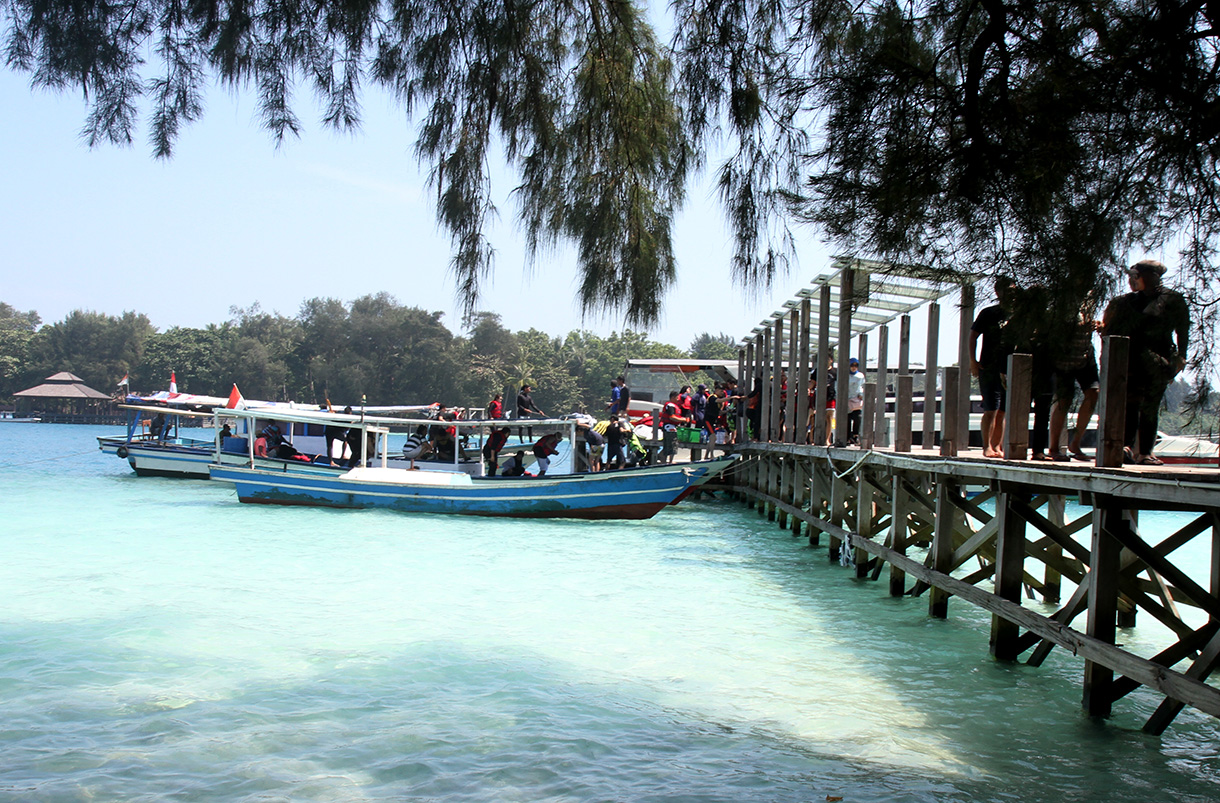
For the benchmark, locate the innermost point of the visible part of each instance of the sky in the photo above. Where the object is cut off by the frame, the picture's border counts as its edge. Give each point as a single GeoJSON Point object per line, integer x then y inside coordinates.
{"type": "Point", "coordinates": [232, 220]}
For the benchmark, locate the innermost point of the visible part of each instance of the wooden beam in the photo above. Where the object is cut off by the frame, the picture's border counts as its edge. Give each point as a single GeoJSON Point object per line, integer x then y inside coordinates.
{"type": "Point", "coordinates": [931, 371]}
{"type": "Point", "coordinates": [1112, 403]}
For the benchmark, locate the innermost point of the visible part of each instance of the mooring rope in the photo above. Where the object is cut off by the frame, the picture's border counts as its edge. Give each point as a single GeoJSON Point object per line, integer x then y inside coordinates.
{"type": "Point", "coordinates": [45, 459]}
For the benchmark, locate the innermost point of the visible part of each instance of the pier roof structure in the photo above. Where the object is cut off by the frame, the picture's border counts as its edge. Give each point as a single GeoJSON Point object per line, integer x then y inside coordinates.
{"type": "Point", "coordinates": [882, 293]}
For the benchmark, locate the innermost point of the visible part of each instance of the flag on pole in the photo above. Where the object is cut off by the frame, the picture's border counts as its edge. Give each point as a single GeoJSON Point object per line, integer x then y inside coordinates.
{"type": "Point", "coordinates": [236, 400]}
{"type": "Point", "coordinates": [173, 382]}
{"type": "Point", "coordinates": [123, 382]}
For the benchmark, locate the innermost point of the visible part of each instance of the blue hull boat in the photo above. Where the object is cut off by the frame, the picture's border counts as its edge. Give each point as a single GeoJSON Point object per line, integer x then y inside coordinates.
{"type": "Point", "coordinates": [636, 493]}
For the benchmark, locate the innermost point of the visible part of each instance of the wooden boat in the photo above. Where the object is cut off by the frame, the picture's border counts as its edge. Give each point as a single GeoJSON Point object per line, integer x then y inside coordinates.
{"type": "Point", "coordinates": [173, 453]}
{"type": "Point", "coordinates": [634, 493]}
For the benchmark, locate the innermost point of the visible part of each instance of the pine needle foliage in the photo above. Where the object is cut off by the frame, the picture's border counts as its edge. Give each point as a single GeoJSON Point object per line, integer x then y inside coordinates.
{"type": "Point", "coordinates": [1043, 140]}
{"type": "Point", "coordinates": [577, 94]}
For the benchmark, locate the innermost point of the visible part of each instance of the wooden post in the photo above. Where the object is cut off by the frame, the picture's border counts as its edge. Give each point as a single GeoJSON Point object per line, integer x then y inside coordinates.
{"type": "Point", "coordinates": [794, 379]}
{"type": "Point", "coordinates": [949, 412]}
{"type": "Point", "coordinates": [1056, 513]}
{"type": "Point", "coordinates": [904, 345]}
{"type": "Point", "coordinates": [899, 509]}
{"type": "Point", "coordinates": [866, 420]}
{"type": "Point", "coordinates": [800, 425]}
{"type": "Point", "coordinates": [838, 492]}
{"type": "Point", "coordinates": [847, 292]}
{"type": "Point", "coordinates": [1112, 403]}
{"type": "Point", "coordinates": [777, 368]}
{"type": "Point", "coordinates": [798, 383]}
{"type": "Point", "coordinates": [902, 413]}
{"type": "Point", "coordinates": [864, 522]}
{"type": "Point", "coordinates": [929, 378]}
{"type": "Point", "coordinates": [867, 415]}
{"type": "Point", "coordinates": [880, 436]}
{"type": "Point", "coordinates": [963, 359]}
{"type": "Point", "coordinates": [764, 402]}
{"type": "Point", "coordinates": [746, 385]}
{"type": "Point", "coordinates": [1016, 421]}
{"type": "Point", "coordinates": [743, 379]}
{"type": "Point", "coordinates": [1215, 567]}
{"type": "Point", "coordinates": [1009, 571]}
{"type": "Point", "coordinates": [941, 554]}
{"type": "Point", "coordinates": [821, 432]}
{"type": "Point", "coordinates": [1104, 565]}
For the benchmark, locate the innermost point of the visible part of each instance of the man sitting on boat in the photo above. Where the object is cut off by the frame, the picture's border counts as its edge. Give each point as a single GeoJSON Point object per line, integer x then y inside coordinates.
{"type": "Point", "coordinates": [417, 444]}
{"type": "Point", "coordinates": [514, 466]}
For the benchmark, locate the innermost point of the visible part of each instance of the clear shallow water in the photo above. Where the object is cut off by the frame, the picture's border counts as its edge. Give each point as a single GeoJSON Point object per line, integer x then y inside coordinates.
{"type": "Point", "coordinates": [159, 641]}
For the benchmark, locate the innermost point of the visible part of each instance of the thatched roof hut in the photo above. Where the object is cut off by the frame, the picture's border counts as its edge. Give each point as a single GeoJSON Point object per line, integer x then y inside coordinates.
{"type": "Point", "coordinates": [63, 392]}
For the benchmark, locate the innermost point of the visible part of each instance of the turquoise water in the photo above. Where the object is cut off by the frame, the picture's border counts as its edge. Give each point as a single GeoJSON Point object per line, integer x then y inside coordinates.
{"type": "Point", "coordinates": [159, 641]}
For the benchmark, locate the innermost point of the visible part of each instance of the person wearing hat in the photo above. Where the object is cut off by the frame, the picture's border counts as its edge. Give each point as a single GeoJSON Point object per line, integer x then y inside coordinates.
{"type": "Point", "coordinates": [855, 400]}
{"type": "Point", "coordinates": [1157, 321]}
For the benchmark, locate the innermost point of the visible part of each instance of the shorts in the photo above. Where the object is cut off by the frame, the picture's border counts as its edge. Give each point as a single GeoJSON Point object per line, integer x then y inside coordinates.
{"type": "Point", "coordinates": [543, 463]}
{"type": "Point", "coordinates": [1086, 375]}
{"type": "Point", "coordinates": [991, 388]}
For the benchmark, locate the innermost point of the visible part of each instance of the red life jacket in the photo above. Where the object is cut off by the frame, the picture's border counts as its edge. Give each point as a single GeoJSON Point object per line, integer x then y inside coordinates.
{"type": "Point", "coordinates": [495, 409]}
{"type": "Point", "coordinates": [669, 412]}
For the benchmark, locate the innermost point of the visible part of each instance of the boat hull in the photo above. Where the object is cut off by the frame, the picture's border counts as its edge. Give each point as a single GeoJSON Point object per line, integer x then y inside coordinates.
{"type": "Point", "coordinates": [628, 494]}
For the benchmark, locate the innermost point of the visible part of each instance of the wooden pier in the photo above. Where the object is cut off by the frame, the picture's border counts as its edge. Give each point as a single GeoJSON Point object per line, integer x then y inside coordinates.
{"type": "Point", "coordinates": [916, 516]}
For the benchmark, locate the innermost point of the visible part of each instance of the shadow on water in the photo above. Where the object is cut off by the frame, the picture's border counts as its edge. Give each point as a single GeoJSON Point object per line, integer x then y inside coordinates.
{"type": "Point", "coordinates": [437, 721]}
{"type": "Point", "coordinates": [1009, 720]}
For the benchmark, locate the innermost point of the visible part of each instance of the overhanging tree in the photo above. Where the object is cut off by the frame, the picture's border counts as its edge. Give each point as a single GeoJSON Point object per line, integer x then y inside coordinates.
{"type": "Point", "coordinates": [1045, 139]}
{"type": "Point", "coordinates": [577, 95]}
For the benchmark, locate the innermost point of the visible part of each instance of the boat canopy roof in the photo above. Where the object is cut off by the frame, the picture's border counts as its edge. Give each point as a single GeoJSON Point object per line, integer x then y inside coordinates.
{"type": "Point", "coordinates": [346, 420]}
{"type": "Point", "coordinates": [165, 399]}
{"type": "Point", "coordinates": [722, 369]}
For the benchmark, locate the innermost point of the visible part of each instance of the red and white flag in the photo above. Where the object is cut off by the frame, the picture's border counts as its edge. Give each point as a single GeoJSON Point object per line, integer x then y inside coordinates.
{"type": "Point", "coordinates": [123, 382]}
{"type": "Point", "coordinates": [236, 400]}
{"type": "Point", "coordinates": [173, 382]}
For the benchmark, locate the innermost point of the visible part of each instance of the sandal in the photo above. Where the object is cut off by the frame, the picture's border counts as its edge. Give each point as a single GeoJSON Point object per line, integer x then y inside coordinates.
{"type": "Point", "coordinates": [1060, 457]}
{"type": "Point", "coordinates": [1149, 460]}
{"type": "Point", "coordinates": [1041, 457]}
{"type": "Point", "coordinates": [1128, 456]}
{"type": "Point", "coordinates": [1079, 455]}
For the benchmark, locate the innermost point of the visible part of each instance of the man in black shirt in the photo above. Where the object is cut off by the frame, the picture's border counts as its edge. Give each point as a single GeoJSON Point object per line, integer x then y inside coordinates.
{"type": "Point", "coordinates": [991, 365]}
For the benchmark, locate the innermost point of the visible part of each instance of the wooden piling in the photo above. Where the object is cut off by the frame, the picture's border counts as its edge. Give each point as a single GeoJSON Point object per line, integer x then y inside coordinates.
{"type": "Point", "coordinates": [929, 378]}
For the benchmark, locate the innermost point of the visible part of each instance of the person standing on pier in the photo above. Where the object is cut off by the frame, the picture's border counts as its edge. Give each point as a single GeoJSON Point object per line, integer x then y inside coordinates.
{"type": "Point", "coordinates": [1153, 317]}
{"type": "Point", "coordinates": [989, 366]}
{"type": "Point", "coordinates": [855, 401]}
{"type": "Point", "coordinates": [1076, 366]}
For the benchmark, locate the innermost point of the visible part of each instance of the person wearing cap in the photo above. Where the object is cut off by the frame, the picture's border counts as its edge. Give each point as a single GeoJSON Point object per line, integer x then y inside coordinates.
{"type": "Point", "coordinates": [1157, 321]}
{"type": "Point", "coordinates": [855, 400]}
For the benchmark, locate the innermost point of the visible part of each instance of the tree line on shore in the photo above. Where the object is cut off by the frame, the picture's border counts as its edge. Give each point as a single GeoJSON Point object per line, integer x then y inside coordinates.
{"type": "Point", "coordinates": [372, 348]}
